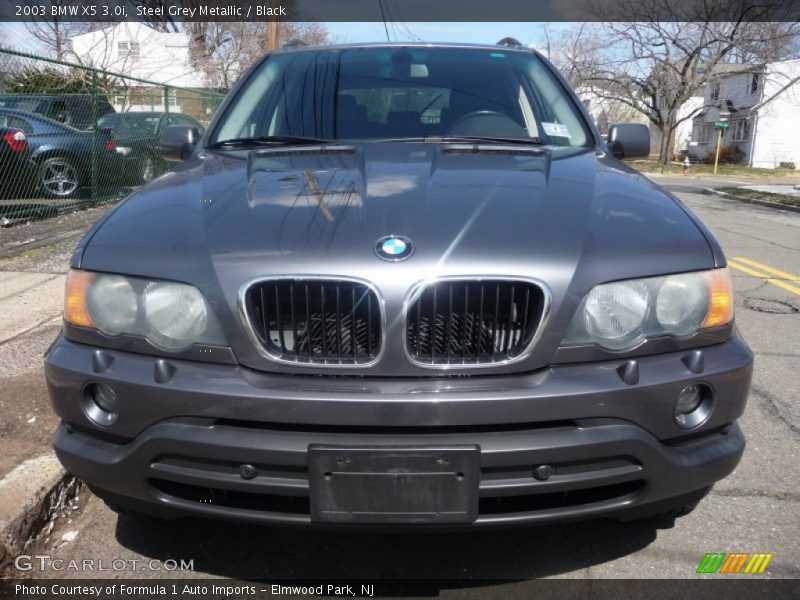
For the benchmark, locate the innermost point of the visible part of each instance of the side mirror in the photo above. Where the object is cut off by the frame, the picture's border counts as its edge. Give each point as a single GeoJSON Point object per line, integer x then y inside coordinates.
{"type": "Point", "coordinates": [178, 141]}
{"type": "Point", "coordinates": [629, 140]}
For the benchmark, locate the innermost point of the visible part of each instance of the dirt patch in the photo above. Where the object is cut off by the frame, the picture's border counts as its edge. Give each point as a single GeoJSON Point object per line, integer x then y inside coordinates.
{"type": "Point", "coordinates": [59, 530]}
{"type": "Point", "coordinates": [26, 420]}
{"type": "Point", "coordinates": [53, 258]}
{"type": "Point", "coordinates": [699, 170]}
{"type": "Point", "coordinates": [24, 237]}
{"type": "Point", "coordinates": [759, 195]}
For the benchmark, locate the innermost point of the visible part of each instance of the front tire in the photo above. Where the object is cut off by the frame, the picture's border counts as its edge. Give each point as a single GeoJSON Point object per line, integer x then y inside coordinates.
{"type": "Point", "coordinates": [58, 178]}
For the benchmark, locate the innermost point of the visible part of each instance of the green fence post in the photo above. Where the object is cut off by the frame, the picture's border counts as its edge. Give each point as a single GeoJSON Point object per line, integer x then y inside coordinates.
{"type": "Point", "coordinates": [94, 136]}
{"type": "Point", "coordinates": [166, 100]}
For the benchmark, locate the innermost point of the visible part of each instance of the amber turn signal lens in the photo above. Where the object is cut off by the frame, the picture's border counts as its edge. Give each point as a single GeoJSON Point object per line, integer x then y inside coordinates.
{"type": "Point", "coordinates": [75, 311]}
{"type": "Point", "coordinates": [720, 299]}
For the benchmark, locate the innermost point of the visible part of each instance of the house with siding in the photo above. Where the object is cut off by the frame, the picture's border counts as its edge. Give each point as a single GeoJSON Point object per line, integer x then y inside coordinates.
{"type": "Point", "coordinates": [144, 53]}
{"type": "Point", "coordinates": [762, 105]}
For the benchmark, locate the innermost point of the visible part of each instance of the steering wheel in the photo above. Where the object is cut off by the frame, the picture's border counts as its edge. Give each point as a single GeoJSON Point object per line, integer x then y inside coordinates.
{"type": "Point", "coordinates": [487, 122]}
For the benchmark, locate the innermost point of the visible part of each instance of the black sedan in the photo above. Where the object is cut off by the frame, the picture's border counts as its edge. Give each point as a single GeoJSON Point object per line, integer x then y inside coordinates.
{"type": "Point", "coordinates": [15, 162]}
{"type": "Point", "coordinates": [62, 155]}
{"type": "Point", "coordinates": [137, 135]}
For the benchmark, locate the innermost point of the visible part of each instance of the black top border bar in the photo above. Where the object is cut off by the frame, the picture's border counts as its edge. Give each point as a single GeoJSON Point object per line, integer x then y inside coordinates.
{"type": "Point", "coordinates": [399, 10]}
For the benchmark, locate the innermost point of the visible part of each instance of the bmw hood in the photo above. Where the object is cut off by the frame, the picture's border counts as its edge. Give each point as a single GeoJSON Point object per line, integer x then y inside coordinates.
{"type": "Point", "coordinates": [569, 221]}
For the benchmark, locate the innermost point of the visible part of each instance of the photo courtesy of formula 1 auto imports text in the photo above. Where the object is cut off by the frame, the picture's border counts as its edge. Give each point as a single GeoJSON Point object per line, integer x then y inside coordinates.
{"type": "Point", "coordinates": [399, 299]}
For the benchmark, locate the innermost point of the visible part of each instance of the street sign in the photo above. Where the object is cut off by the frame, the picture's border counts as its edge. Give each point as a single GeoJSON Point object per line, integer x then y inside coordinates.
{"type": "Point", "coordinates": [722, 125]}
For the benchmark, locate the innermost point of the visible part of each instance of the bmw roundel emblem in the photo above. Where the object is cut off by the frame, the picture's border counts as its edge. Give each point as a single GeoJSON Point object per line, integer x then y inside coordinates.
{"type": "Point", "coordinates": [394, 247]}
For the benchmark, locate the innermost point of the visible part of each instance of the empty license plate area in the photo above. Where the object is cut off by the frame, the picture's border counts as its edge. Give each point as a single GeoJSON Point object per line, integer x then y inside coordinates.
{"type": "Point", "coordinates": [394, 485]}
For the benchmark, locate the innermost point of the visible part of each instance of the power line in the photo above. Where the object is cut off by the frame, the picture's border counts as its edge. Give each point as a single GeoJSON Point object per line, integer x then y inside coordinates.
{"type": "Point", "coordinates": [383, 16]}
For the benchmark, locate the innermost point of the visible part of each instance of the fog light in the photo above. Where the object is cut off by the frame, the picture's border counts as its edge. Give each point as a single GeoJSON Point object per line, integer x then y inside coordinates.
{"type": "Point", "coordinates": [693, 406]}
{"type": "Point", "coordinates": [100, 404]}
{"type": "Point", "coordinates": [689, 399]}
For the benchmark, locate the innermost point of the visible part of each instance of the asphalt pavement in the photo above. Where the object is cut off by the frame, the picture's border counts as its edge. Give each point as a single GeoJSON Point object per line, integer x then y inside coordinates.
{"type": "Point", "coordinates": [756, 509]}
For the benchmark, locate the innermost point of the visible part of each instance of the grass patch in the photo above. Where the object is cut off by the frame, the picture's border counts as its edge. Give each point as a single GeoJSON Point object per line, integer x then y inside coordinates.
{"type": "Point", "coordinates": [739, 171]}
{"type": "Point", "coordinates": [757, 195]}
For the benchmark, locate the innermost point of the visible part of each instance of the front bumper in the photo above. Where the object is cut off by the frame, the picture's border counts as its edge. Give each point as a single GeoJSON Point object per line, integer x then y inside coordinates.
{"type": "Point", "coordinates": [613, 447]}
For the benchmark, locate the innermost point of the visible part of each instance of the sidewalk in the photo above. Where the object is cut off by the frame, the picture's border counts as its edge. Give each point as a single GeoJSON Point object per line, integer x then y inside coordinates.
{"type": "Point", "coordinates": [33, 486]}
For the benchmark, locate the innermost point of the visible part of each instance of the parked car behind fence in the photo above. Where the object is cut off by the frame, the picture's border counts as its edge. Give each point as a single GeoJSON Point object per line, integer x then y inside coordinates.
{"type": "Point", "coordinates": [15, 162]}
{"type": "Point", "coordinates": [75, 110]}
{"type": "Point", "coordinates": [63, 156]}
{"type": "Point", "coordinates": [137, 135]}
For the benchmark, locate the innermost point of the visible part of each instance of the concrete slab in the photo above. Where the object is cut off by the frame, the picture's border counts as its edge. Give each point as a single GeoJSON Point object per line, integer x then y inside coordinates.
{"type": "Point", "coordinates": [28, 300]}
{"type": "Point", "coordinates": [15, 282]}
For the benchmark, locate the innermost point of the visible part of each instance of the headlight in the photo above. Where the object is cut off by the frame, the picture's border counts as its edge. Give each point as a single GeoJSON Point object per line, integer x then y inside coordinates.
{"type": "Point", "coordinates": [615, 313]}
{"type": "Point", "coordinates": [112, 304]}
{"type": "Point", "coordinates": [681, 304]}
{"type": "Point", "coordinates": [622, 315]}
{"type": "Point", "coordinates": [177, 313]}
{"type": "Point", "coordinates": [171, 316]}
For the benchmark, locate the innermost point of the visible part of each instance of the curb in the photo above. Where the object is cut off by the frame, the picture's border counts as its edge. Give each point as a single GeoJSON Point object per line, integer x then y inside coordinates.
{"type": "Point", "coordinates": [30, 496]}
{"type": "Point", "coordinates": [778, 205]}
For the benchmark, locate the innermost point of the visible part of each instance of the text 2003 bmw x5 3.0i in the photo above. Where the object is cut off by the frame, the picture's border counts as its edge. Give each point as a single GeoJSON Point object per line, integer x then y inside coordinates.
{"type": "Point", "coordinates": [400, 285]}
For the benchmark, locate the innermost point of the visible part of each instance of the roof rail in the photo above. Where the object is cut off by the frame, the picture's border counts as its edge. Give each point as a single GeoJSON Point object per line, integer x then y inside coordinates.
{"type": "Point", "coordinates": [510, 41]}
{"type": "Point", "coordinates": [294, 43]}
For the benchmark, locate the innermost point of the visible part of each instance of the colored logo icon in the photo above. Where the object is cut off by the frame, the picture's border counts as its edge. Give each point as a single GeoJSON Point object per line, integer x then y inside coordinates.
{"type": "Point", "coordinates": [394, 248]}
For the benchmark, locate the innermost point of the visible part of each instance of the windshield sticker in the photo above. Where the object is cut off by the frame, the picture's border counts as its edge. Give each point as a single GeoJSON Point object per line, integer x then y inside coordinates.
{"type": "Point", "coordinates": [556, 130]}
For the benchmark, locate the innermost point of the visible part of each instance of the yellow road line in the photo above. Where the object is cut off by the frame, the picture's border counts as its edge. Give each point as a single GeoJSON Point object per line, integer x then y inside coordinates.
{"type": "Point", "coordinates": [768, 269]}
{"type": "Point", "coordinates": [778, 282]}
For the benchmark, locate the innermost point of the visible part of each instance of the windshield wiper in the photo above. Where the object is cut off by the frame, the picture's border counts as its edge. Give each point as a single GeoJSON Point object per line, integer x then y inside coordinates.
{"type": "Point", "coordinates": [268, 140]}
{"type": "Point", "coordinates": [487, 138]}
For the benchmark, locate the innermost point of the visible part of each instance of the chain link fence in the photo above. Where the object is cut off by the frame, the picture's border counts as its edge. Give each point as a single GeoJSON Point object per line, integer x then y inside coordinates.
{"type": "Point", "coordinates": [72, 136]}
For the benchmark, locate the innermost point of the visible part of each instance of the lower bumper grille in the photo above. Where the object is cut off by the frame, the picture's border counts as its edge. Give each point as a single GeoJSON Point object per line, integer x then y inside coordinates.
{"type": "Point", "coordinates": [300, 505]}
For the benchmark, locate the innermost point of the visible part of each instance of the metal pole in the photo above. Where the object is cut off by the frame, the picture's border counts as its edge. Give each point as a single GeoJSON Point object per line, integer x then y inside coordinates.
{"type": "Point", "coordinates": [94, 136]}
{"type": "Point", "coordinates": [716, 158]}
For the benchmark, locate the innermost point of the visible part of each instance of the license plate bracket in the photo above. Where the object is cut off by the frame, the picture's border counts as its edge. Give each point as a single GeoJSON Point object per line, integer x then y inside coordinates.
{"type": "Point", "coordinates": [394, 485]}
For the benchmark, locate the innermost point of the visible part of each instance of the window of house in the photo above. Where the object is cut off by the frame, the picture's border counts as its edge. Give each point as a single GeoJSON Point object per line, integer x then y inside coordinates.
{"type": "Point", "coordinates": [754, 82]}
{"type": "Point", "coordinates": [740, 130]}
{"type": "Point", "coordinates": [715, 90]}
{"type": "Point", "coordinates": [706, 133]}
{"type": "Point", "coordinates": [128, 50]}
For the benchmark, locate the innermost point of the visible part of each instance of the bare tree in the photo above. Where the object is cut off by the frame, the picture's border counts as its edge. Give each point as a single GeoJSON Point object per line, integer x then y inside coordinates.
{"type": "Point", "coordinates": [54, 34]}
{"type": "Point", "coordinates": [225, 50]}
{"type": "Point", "coordinates": [656, 62]}
{"type": "Point", "coordinates": [572, 50]}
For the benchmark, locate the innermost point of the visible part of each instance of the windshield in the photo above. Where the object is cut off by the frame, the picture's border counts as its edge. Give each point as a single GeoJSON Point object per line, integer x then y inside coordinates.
{"type": "Point", "coordinates": [131, 123]}
{"type": "Point", "coordinates": [391, 93]}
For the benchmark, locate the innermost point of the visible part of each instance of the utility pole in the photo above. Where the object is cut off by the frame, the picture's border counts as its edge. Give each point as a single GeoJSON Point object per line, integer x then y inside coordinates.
{"type": "Point", "coordinates": [272, 29]}
{"type": "Point", "coordinates": [272, 32]}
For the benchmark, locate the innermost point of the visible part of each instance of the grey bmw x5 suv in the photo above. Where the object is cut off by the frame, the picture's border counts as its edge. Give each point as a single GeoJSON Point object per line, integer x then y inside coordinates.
{"type": "Point", "coordinates": [400, 286]}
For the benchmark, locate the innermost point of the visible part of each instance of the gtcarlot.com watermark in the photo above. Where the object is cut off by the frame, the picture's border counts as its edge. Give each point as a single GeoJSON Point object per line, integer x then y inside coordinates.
{"type": "Point", "coordinates": [43, 562]}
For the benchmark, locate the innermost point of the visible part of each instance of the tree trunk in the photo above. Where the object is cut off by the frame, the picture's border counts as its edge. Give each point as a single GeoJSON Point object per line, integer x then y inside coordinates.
{"type": "Point", "coordinates": [665, 152]}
